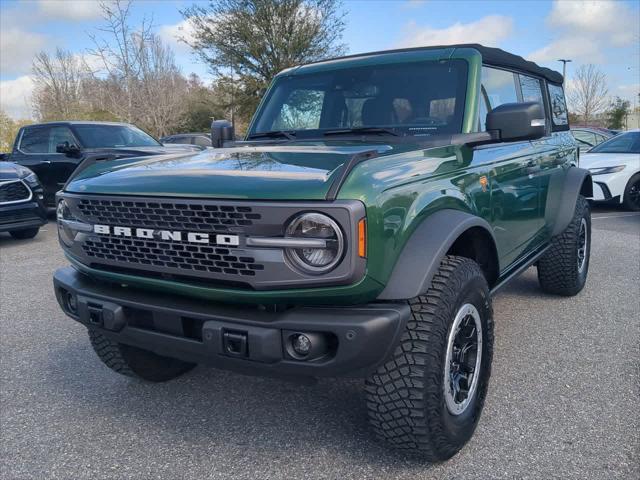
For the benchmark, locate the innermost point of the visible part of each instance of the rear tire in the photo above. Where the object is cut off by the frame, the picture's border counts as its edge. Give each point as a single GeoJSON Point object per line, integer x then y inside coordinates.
{"type": "Point", "coordinates": [25, 233]}
{"type": "Point", "coordinates": [411, 399]}
{"type": "Point", "coordinates": [136, 362]}
{"type": "Point", "coordinates": [563, 269]}
{"type": "Point", "coordinates": [631, 197]}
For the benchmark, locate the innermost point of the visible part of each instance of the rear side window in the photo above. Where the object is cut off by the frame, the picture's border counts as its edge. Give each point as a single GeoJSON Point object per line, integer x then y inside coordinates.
{"type": "Point", "coordinates": [531, 89]}
{"type": "Point", "coordinates": [558, 106]}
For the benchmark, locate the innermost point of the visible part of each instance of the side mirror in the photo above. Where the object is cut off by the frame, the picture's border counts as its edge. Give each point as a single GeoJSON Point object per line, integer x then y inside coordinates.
{"type": "Point", "coordinates": [67, 149]}
{"type": "Point", "coordinates": [517, 121]}
{"type": "Point", "coordinates": [221, 131]}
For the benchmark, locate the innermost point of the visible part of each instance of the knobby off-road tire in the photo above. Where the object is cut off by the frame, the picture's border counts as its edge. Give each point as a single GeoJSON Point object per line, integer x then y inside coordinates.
{"type": "Point", "coordinates": [24, 234]}
{"type": "Point", "coordinates": [135, 362]}
{"type": "Point", "coordinates": [407, 396]}
{"type": "Point", "coordinates": [563, 269]}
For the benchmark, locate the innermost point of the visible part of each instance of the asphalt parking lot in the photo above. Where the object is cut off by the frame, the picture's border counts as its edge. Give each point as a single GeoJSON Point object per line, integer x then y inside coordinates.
{"type": "Point", "coordinates": [563, 399]}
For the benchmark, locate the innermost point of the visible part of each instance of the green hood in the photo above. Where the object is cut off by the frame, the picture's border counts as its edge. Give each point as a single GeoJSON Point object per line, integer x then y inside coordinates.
{"type": "Point", "coordinates": [291, 172]}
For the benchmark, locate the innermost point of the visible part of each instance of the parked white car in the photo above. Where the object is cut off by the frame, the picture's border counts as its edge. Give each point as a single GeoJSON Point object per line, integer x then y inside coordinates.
{"type": "Point", "coordinates": [615, 168]}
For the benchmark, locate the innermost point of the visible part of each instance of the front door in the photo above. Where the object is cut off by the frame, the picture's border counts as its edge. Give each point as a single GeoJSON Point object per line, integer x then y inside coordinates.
{"type": "Point", "coordinates": [36, 149]}
{"type": "Point", "coordinates": [515, 197]}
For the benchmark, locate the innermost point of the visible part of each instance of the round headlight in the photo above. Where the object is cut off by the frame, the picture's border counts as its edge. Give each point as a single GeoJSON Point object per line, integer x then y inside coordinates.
{"type": "Point", "coordinates": [320, 227]}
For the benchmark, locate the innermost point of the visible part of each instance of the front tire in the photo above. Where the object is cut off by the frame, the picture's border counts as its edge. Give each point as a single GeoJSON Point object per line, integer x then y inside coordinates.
{"type": "Point", "coordinates": [563, 269]}
{"type": "Point", "coordinates": [24, 234]}
{"type": "Point", "coordinates": [427, 398]}
{"type": "Point", "coordinates": [136, 362]}
{"type": "Point", "coordinates": [631, 196]}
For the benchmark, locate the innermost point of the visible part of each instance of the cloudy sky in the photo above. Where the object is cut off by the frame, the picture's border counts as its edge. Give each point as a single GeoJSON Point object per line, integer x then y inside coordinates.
{"type": "Point", "coordinates": [606, 33]}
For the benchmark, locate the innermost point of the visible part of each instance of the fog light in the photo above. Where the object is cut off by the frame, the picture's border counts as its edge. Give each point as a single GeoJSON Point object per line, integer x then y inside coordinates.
{"type": "Point", "coordinates": [301, 345]}
{"type": "Point", "coordinates": [72, 303]}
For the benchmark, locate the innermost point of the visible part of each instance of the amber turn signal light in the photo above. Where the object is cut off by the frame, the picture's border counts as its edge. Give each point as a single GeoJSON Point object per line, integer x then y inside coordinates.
{"type": "Point", "coordinates": [362, 238]}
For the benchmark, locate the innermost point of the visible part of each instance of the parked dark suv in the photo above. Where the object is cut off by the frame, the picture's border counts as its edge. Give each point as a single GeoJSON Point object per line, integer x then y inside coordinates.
{"type": "Point", "coordinates": [22, 209]}
{"type": "Point", "coordinates": [55, 150]}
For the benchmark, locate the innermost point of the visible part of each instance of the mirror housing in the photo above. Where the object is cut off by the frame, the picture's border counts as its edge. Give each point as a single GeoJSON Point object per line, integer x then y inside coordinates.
{"type": "Point", "coordinates": [221, 131]}
{"type": "Point", "coordinates": [517, 121]}
{"type": "Point", "coordinates": [67, 149]}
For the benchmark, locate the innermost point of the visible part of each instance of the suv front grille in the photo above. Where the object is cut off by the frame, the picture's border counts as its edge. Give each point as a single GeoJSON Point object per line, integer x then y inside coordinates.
{"type": "Point", "coordinates": [193, 258]}
{"type": "Point", "coordinates": [15, 191]}
{"type": "Point", "coordinates": [184, 216]}
{"type": "Point", "coordinates": [200, 240]}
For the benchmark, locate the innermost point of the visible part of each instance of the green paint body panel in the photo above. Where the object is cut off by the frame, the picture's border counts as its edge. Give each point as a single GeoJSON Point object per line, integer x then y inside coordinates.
{"type": "Point", "coordinates": [515, 187]}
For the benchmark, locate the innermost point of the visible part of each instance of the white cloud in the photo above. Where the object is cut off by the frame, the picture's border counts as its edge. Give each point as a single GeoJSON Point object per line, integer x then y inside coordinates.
{"type": "Point", "coordinates": [171, 35]}
{"type": "Point", "coordinates": [490, 30]}
{"type": "Point", "coordinates": [15, 97]}
{"type": "Point", "coordinates": [69, 10]}
{"type": "Point", "coordinates": [615, 20]}
{"type": "Point", "coordinates": [17, 49]}
{"type": "Point", "coordinates": [586, 29]}
{"type": "Point", "coordinates": [577, 48]}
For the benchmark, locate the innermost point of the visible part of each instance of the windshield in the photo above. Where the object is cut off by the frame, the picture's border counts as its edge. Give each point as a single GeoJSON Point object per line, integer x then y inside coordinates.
{"type": "Point", "coordinates": [113, 136]}
{"type": "Point", "coordinates": [423, 98]}
{"type": "Point", "coordinates": [623, 143]}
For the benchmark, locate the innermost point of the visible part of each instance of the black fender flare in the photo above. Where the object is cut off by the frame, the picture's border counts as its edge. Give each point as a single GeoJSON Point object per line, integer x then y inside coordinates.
{"type": "Point", "coordinates": [574, 185]}
{"type": "Point", "coordinates": [425, 249]}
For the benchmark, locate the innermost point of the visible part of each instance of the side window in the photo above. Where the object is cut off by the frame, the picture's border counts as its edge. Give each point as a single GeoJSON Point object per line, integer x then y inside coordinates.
{"type": "Point", "coordinates": [584, 136]}
{"type": "Point", "coordinates": [202, 141]}
{"type": "Point", "coordinates": [302, 110]}
{"type": "Point", "coordinates": [35, 140]}
{"type": "Point", "coordinates": [558, 105]}
{"type": "Point", "coordinates": [60, 135]}
{"type": "Point", "coordinates": [45, 139]}
{"type": "Point", "coordinates": [531, 89]}
{"type": "Point", "coordinates": [498, 87]}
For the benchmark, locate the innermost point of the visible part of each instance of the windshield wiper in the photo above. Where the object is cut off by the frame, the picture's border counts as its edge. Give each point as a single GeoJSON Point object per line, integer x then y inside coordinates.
{"type": "Point", "coordinates": [273, 134]}
{"type": "Point", "coordinates": [363, 130]}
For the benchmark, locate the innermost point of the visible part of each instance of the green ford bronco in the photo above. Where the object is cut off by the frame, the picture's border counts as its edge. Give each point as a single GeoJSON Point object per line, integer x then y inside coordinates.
{"type": "Point", "coordinates": [376, 204]}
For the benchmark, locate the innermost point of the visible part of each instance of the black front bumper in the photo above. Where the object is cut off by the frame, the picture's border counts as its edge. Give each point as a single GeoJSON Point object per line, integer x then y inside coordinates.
{"type": "Point", "coordinates": [355, 340]}
{"type": "Point", "coordinates": [20, 216]}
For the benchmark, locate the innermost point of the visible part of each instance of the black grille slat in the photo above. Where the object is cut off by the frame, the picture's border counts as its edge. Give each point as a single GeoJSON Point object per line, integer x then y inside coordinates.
{"type": "Point", "coordinates": [178, 216]}
{"type": "Point", "coordinates": [15, 217]}
{"type": "Point", "coordinates": [13, 192]}
{"type": "Point", "coordinates": [173, 256]}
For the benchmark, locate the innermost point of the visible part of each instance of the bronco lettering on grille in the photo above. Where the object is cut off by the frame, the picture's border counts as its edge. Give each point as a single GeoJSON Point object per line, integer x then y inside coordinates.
{"type": "Point", "coordinates": [166, 235]}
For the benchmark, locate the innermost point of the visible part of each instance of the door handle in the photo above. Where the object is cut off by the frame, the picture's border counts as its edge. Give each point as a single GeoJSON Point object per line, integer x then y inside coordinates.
{"type": "Point", "coordinates": [47, 162]}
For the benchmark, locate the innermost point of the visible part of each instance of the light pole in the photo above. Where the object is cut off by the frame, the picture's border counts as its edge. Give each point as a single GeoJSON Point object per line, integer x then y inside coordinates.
{"type": "Point", "coordinates": [564, 68]}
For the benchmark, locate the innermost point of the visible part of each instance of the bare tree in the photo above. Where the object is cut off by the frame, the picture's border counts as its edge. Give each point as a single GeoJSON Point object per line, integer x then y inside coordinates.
{"type": "Point", "coordinates": [118, 52]}
{"type": "Point", "coordinates": [588, 92]}
{"type": "Point", "coordinates": [137, 79]}
{"type": "Point", "coordinates": [162, 89]}
{"type": "Point", "coordinates": [58, 85]}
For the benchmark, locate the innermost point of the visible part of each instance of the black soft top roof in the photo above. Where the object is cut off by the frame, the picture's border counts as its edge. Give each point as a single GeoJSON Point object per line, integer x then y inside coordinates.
{"type": "Point", "coordinates": [500, 58]}
{"type": "Point", "coordinates": [491, 56]}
